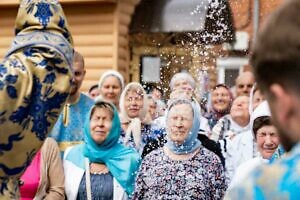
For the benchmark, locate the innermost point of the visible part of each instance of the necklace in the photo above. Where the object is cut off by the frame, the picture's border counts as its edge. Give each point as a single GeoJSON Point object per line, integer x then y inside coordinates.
{"type": "Point", "coordinates": [96, 168]}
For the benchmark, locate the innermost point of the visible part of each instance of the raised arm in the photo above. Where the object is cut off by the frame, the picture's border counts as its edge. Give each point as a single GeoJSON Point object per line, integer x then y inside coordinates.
{"type": "Point", "coordinates": [35, 78]}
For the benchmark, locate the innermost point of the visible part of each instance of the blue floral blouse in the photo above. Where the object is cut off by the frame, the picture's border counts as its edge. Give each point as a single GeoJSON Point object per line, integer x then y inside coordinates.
{"type": "Point", "coordinates": [200, 177]}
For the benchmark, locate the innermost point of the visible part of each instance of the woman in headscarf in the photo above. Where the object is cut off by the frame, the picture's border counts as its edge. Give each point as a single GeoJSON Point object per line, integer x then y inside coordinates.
{"type": "Point", "coordinates": [266, 139]}
{"type": "Point", "coordinates": [110, 86]}
{"type": "Point", "coordinates": [101, 168]}
{"type": "Point", "coordinates": [221, 101]}
{"type": "Point", "coordinates": [182, 169]}
{"type": "Point", "coordinates": [256, 98]}
{"type": "Point", "coordinates": [136, 124]}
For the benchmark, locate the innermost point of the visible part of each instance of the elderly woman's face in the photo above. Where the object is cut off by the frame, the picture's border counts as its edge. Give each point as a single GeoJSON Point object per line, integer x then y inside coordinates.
{"type": "Point", "coordinates": [100, 124]}
{"type": "Point", "coordinates": [220, 99]}
{"type": "Point", "coordinates": [240, 108]}
{"type": "Point", "coordinates": [179, 122]}
{"type": "Point", "coordinates": [133, 103]}
{"type": "Point", "coordinates": [182, 88]}
{"type": "Point", "coordinates": [111, 89]}
{"type": "Point", "coordinates": [267, 139]}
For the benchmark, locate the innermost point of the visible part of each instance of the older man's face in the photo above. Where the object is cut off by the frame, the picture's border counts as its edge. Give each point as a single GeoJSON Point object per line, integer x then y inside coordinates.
{"type": "Point", "coordinates": [244, 85]}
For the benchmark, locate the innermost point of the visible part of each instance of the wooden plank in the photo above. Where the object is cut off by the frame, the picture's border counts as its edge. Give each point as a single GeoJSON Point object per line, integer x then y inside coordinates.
{"type": "Point", "coordinates": [123, 41]}
{"type": "Point", "coordinates": [126, 8]}
{"type": "Point", "coordinates": [5, 41]}
{"type": "Point", "coordinates": [87, 28]}
{"type": "Point", "coordinates": [95, 51]}
{"type": "Point", "coordinates": [95, 63]}
{"type": "Point", "coordinates": [124, 18]}
{"type": "Point", "coordinates": [94, 74]}
{"type": "Point", "coordinates": [93, 17]}
{"type": "Point", "coordinates": [123, 53]}
{"type": "Point", "coordinates": [92, 39]}
{"type": "Point", "coordinates": [7, 31]}
{"type": "Point", "coordinates": [123, 29]}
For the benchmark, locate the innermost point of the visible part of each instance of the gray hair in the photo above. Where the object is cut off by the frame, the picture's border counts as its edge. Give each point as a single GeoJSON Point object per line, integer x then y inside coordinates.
{"type": "Point", "coordinates": [182, 76]}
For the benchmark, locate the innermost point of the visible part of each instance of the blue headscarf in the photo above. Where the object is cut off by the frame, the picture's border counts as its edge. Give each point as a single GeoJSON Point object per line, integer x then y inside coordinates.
{"type": "Point", "coordinates": [191, 143]}
{"type": "Point", "coordinates": [121, 161]}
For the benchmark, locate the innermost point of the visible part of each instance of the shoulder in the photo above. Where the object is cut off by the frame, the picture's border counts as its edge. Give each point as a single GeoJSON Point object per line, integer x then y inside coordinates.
{"type": "Point", "coordinates": [154, 155]}
{"type": "Point", "coordinates": [50, 142]}
{"type": "Point", "coordinates": [50, 145]}
{"type": "Point", "coordinates": [85, 99]}
{"type": "Point", "coordinates": [208, 156]}
{"type": "Point", "coordinates": [73, 152]}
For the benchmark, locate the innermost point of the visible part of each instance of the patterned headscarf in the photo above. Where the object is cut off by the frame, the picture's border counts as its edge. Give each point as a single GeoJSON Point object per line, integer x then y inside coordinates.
{"type": "Point", "coordinates": [191, 143]}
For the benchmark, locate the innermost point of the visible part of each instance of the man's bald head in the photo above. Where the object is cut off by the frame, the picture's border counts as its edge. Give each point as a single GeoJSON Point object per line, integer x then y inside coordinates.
{"type": "Point", "coordinates": [244, 83]}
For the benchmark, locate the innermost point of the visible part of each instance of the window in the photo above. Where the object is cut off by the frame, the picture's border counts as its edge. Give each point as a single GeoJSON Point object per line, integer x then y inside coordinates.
{"type": "Point", "coordinates": [150, 69]}
{"type": "Point", "coordinates": [229, 69]}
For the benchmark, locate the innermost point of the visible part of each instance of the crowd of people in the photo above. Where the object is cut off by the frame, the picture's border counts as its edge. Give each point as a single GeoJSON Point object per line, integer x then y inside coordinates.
{"type": "Point", "coordinates": [122, 143]}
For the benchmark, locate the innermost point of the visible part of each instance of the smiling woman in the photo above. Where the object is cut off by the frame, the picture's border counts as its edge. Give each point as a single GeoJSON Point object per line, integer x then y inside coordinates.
{"type": "Point", "coordinates": [110, 86]}
{"type": "Point", "coordinates": [136, 128]}
{"type": "Point", "coordinates": [221, 100]}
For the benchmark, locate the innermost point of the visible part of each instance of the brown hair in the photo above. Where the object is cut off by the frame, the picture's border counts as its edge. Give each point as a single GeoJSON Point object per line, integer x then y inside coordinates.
{"type": "Point", "coordinates": [260, 122]}
{"type": "Point", "coordinates": [276, 55]}
{"type": "Point", "coordinates": [104, 105]}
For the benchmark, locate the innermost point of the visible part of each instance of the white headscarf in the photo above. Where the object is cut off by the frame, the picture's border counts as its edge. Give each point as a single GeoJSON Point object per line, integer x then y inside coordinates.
{"type": "Point", "coordinates": [261, 110]}
{"type": "Point", "coordinates": [135, 124]}
{"type": "Point", "coordinates": [111, 73]}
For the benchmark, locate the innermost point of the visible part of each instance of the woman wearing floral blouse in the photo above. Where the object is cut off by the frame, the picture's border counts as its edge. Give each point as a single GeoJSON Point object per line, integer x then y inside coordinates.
{"type": "Point", "coordinates": [182, 169]}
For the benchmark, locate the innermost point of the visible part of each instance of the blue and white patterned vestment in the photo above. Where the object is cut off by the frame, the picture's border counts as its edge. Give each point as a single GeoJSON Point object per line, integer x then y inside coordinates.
{"type": "Point", "coordinates": [35, 79]}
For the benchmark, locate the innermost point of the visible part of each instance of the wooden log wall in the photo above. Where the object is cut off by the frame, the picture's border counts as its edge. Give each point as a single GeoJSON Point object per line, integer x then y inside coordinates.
{"type": "Point", "coordinates": [99, 29]}
{"type": "Point", "coordinates": [92, 27]}
{"type": "Point", "coordinates": [123, 13]}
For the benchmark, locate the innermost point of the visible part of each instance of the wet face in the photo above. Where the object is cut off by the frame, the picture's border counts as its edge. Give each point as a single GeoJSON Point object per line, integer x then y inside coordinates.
{"type": "Point", "coordinates": [133, 103]}
{"type": "Point", "coordinates": [220, 99]}
{"type": "Point", "coordinates": [183, 86]}
{"type": "Point", "coordinates": [94, 93]}
{"type": "Point", "coordinates": [111, 89]}
{"type": "Point", "coordinates": [152, 108]}
{"type": "Point", "coordinates": [244, 84]}
{"type": "Point", "coordinates": [79, 74]}
{"type": "Point", "coordinates": [156, 94]}
{"type": "Point", "coordinates": [100, 124]}
{"type": "Point", "coordinates": [240, 109]}
{"type": "Point", "coordinates": [257, 98]}
{"type": "Point", "coordinates": [179, 122]}
{"type": "Point", "coordinates": [267, 139]}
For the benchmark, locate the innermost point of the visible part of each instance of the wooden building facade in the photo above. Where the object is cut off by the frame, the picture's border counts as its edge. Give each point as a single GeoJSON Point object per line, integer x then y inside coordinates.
{"type": "Point", "coordinates": [100, 29]}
